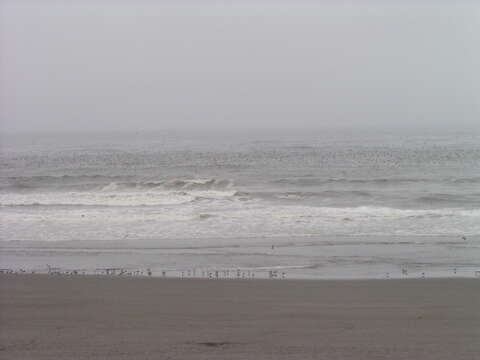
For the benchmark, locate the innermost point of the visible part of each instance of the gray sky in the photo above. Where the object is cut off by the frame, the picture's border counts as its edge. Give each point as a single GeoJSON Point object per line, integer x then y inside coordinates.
{"type": "Point", "coordinates": [99, 65]}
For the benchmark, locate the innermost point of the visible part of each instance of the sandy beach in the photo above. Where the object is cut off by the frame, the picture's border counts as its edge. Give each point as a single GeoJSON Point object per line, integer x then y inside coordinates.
{"type": "Point", "coordinates": [45, 317]}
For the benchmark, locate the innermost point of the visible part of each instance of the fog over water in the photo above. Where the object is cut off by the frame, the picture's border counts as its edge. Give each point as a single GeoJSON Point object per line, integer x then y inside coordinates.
{"type": "Point", "coordinates": [322, 139]}
{"type": "Point", "coordinates": [180, 65]}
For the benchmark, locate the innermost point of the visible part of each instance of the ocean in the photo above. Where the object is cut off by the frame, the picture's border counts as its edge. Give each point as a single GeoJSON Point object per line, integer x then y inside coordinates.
{"type": "Point", "coordinates": [296, 205]}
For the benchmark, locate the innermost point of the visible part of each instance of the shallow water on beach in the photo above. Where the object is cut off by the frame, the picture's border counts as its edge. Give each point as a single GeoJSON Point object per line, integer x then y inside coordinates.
{"type": "Point", "coordinates": [335, 258]}
{"type": "Point", "coordinates": [331, 206]}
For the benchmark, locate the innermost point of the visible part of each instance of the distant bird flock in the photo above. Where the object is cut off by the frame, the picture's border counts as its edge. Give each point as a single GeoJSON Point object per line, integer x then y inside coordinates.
{"type": "Point", "coordinates": [215, 274]}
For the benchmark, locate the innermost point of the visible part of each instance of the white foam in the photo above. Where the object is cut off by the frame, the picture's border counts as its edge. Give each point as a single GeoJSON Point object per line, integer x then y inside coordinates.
{"type": "Point", "coordinates": [111, 196]}
{"type": "Point", "coordinates": [173, 215]}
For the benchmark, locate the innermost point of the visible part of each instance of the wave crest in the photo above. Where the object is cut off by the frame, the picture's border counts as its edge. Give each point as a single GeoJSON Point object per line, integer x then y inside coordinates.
{"type": "Point", "coordinates": [171, 185]}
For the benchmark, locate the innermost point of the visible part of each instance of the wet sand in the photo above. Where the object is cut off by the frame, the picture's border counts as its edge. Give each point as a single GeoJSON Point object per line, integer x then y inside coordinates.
{"type": "Point", "coordinates": [45, 317]}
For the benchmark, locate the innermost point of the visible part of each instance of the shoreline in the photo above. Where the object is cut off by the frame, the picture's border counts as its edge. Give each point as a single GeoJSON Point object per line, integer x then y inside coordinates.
{"type": "Point", "coordinates": [317, 258]}
{"type": "Point", "coordinates": [100, 317]}
{"type": "Point", "coordinates": [246, 275]}
{"type": "Point", "coordinates": [200, 278]}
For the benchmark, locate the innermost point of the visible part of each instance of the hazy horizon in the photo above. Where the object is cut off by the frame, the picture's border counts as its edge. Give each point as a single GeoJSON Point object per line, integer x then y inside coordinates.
{"type": "Point", "coordinates": [100, 66]}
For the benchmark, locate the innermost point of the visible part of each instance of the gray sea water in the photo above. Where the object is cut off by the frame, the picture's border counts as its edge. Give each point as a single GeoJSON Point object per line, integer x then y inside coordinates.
{"type": "Point", "coordinates": [306, 204]}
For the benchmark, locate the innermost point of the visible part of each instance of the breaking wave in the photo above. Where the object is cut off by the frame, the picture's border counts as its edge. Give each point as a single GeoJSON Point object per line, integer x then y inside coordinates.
{"type": "Point", "coordinates": [89, 182]}
{"type": "Point", "coordinates": [173, 192]}
{"type": "Point", "coordinates": [109, 183]}
{"type": "Point", "coordinates": [101, 190]}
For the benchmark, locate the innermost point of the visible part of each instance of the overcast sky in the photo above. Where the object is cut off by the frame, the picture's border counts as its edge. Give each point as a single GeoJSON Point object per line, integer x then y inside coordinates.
{"type": "Point", "coordinates": [97, 65]}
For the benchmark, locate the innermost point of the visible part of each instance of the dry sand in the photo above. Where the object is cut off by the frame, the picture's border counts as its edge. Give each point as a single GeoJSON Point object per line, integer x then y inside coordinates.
{"type": "Point", "coordinates": [46, 317]}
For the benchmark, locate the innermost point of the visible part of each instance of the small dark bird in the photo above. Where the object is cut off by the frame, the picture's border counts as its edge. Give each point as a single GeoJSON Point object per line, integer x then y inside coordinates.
{"type": "Point", "coordinates": [464, 238]}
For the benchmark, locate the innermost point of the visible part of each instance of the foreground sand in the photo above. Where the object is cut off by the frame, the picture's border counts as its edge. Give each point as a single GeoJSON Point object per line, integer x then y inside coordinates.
{"type": "Point", "coordinates": [114, 318]}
